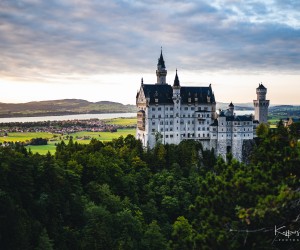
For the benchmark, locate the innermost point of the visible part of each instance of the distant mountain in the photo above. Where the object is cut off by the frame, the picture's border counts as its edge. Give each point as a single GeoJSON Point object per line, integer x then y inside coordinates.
{"type": "Point", "coordinates": [62, 107]}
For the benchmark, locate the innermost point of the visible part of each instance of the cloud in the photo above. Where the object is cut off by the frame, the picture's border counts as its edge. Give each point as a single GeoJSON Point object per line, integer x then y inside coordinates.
{"type": "Point", "coordinates": [44, 40]}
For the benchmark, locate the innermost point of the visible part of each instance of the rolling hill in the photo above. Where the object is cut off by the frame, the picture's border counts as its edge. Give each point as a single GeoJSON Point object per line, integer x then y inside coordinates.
{"type": "Point", "coordinates": [62, 107]}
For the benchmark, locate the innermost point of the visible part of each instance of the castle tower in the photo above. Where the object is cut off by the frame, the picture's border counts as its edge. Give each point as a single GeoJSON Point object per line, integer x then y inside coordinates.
{"type": "Point", "coordinates": [161, 71]}
{"type": "Point", "coordinates": [177, 102]}
{"type": "Point", "coordinates": [231, 108]}
{"type": "Point", "coordinates": [261, 105]}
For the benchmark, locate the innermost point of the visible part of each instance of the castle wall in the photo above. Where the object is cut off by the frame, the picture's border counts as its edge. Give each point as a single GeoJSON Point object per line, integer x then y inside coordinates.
{"type": "Point", "coordinates": [237, 145]}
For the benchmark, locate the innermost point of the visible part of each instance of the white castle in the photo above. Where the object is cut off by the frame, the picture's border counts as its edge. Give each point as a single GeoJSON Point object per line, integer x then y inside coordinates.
{"type": "Point", "coordinates": [170, 114]}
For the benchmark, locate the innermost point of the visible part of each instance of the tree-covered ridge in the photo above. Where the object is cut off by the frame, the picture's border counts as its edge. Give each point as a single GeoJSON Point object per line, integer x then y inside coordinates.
{"type": "Point", "coordinates": [62, 107]}
{"type": "Point", "coordinates": [115, 195]}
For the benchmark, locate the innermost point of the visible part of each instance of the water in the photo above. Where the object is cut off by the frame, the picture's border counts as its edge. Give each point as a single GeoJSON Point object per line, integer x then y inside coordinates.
{"type": "Point", "coordinates": [88, 116]}
{"type": "Point", "coordinates": [67, 117]}
{"type": "Point", "coordinates": [244, 112]}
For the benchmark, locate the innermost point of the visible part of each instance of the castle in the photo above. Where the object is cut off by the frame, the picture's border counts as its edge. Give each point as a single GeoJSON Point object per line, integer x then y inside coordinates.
{"type": "Point", "coordinates": [174, 113]}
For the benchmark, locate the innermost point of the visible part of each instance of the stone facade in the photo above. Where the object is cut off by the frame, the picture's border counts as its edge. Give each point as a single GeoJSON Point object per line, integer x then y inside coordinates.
{"type": "Point", "coordinates": [172, 113]}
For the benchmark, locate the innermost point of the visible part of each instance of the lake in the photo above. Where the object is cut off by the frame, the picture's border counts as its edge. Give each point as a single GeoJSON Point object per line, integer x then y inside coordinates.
{"type": "Point", "coordinates": [88, 116]}
{"type": "Point", "coordinates": [67, 117]}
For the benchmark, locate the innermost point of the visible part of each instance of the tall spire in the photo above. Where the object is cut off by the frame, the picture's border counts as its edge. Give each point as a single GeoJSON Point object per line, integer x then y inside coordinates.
{"type": "Point", "coordinates": [161, 71]}
{"type": "Point", "coordinates": [176, 81]}
{"type": "Point", "coordinates": [161, 61]}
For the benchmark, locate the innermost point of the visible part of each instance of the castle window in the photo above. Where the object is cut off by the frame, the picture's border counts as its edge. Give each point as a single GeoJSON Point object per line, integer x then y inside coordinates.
{"type": "Point", "coordinates": [199, 108]}
{"type": "Point", "coordinates": [167, 136]}
{"type": "Point", "coordinates": [207, 129]}
{"type": "Point", "coordinates": [167, 129]}
{"type": "Point", "coordinates": [171, 122]}
{"type": "Point", "coordinates": [159, 109]}
{"type": "Point", "coordinates": [153, 130]}
{"type": "Point", "coordinates": [189, 116]}
{"type": "Point", "coordinates": [171, 116]}
{"type": "Point", "coordinates": [198, 115]}
{"type": "Point", "coordinates": [171, 136]}
{"type": "Point", "coordinates": [153, 116]}
{"type": "Point", "coordinates": [192, 122]}
{"type": "Point", "coordinates": [171, 108]}
{"type": "Point", "coordinates": [166, 116]}
{"type": "Point", "coordinates": [192, 108]}
{"type": "Point", "coordinates": [153, 109]}
{"type": "Point", "coordinates": [166, 122]}
{"type": "Point", "coordinates": [167, 108]}
{"type": "Point", "coordinates": [161, 122]}
{"type": "Point", "coordinates": [153, 123]}
{"type": "Point", "coordinates": [207, 115]}
{"type": "Point", "coordinates": [159, 116]}
{"type": "Point", "coordinates": [186, 108]}
{"type": "Point", "coordinates": [205, 108]}
{"type": "Point", "coordinates": [171, 129]}
{"type": "Point", "coordinates": [183, 116]}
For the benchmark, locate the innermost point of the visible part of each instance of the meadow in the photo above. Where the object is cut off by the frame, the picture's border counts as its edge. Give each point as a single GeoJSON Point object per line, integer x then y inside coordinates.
{"type": "Point", "coordinates": [101, 136]}
{"type": "Point", "coordinates": [122, 121]}
{"type": "Point", "coordinates": [83, 137]}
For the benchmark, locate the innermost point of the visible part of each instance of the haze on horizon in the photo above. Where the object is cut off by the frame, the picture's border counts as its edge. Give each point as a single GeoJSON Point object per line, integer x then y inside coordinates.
{"type": "Point", "coordinates": [100, 50]}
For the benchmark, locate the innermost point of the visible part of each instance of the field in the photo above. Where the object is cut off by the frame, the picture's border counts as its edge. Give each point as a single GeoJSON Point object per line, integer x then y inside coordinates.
{"type": "Point", "coordinates": [102, 136]}
{"type": "Point", "coordinates": [122, 121]}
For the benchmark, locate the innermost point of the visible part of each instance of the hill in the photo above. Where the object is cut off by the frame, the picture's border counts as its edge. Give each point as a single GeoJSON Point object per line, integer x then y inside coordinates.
{"type": "Point", "coordinates": [62, 107]}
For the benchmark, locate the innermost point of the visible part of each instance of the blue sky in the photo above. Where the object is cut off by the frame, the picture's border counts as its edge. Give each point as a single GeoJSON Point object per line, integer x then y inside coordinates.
{"type": "Point", "coordinates": [99, 49]}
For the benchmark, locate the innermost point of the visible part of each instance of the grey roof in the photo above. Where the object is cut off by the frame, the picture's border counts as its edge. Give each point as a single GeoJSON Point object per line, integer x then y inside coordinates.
{"type": "Point", "coordinates": [164, 94]}
{"type": "Point", "coordinates": [260, 86]}
{"type": "Point", "coordinates": [201, 93]}
{"type": "Point", "coordinates": [176, 81]}
{"type": "Point", "coordinates": [239, 118]}
{"type": "Point", "coordinates": [243, 118]}
{"type": "Point", "coordinates": [161, 60]}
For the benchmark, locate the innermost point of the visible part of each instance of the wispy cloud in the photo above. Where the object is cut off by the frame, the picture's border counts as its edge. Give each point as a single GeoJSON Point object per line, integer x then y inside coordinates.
{"type": "Point", "coordinates": [47, 39]}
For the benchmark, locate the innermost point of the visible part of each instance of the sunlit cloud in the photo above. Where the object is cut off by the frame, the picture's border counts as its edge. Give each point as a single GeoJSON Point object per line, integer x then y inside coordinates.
{"type": "Point", "coordinates": [68, 42]}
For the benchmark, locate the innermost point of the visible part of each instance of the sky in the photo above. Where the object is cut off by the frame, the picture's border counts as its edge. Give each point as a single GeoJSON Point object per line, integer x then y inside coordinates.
{"type": "Point", "coordinates": [100, 49]}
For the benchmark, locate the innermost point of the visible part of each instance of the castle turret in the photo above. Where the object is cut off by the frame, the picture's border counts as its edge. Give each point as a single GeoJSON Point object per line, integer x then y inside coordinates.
{"type": "Point", "coordinates": [177, 102]}
{"type": "Point", "coordinates": [261, 105]}
{"type": "Point", "coordinates": [231, 108]}
{"type": "Point", "coordinates": [161, 71]}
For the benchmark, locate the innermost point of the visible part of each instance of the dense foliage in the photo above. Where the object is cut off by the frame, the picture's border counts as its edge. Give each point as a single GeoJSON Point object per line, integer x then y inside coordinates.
{"type": "Point", "coordinates": [115, 195]}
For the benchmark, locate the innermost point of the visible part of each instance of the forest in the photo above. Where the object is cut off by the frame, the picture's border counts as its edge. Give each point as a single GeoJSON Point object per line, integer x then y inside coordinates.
{"type": "Point", "coordinates": [116, 195]}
